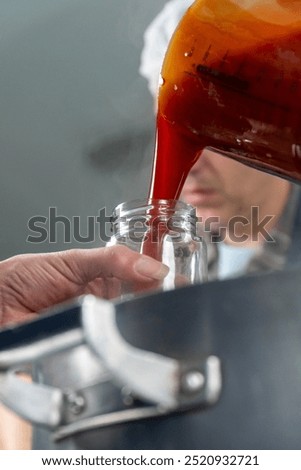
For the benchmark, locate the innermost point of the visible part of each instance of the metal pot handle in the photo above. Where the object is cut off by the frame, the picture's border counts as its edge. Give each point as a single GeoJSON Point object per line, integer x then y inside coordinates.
{"type": "Point", "coordinates": [25, 344]}
{"type": "Point", "coordinates": [152, 377]}
{"type": "Point", "coordinates": [156, 379]}
{"type": "Point", "coordinates": [36, 403]}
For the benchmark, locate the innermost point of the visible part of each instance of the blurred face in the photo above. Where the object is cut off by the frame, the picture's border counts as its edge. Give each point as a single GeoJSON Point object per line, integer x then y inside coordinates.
{"type": "Point", "coordinates": [221, 187]}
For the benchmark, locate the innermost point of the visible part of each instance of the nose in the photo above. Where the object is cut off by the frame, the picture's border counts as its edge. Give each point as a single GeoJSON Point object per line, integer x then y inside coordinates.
{"type": "Point", "coordinates": [202, 162]}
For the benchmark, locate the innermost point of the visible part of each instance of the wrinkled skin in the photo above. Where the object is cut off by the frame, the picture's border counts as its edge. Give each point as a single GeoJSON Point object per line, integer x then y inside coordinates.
{"type": "Point", "coordinates": [30, 283]}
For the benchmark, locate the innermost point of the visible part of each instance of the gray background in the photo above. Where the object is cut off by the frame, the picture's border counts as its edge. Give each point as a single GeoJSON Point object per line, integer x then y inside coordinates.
{"type": "Point", "coordinates": [77, 123]}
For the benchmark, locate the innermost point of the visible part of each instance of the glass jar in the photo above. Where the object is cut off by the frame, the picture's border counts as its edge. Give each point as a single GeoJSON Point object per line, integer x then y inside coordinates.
{"type": "Point", "coordinates": [166, 231]}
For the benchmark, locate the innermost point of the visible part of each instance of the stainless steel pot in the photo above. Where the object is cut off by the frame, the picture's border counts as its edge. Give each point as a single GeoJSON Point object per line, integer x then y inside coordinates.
{"type": "Point", "coordinates": [215, 366]}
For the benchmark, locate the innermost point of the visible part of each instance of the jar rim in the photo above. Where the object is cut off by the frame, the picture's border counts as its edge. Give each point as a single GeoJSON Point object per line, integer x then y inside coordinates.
{"type": "Point", "coordinates": [174, 205]}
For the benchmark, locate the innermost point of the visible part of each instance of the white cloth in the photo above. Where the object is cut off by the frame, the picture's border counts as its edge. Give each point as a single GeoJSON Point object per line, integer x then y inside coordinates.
{"type": "Point", "coordinates": [233, 260]}
{"type": "Point", "coordinates": [156, 39]}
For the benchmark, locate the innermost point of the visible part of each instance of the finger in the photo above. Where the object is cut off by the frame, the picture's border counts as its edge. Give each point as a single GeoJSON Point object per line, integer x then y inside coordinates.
{"type": "Point", "coordinates": [14, 317]}
{"type": "Point", "coordinates": [107, 288]}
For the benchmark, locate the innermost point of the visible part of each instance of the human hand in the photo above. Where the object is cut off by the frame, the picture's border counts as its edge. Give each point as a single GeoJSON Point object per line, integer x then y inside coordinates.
{"type": "Point", "coordinates": [32, 282]}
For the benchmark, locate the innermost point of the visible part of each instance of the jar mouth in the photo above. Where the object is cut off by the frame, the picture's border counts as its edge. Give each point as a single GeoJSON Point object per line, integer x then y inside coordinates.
{"type": "Point", "coordinates": [167, 206]}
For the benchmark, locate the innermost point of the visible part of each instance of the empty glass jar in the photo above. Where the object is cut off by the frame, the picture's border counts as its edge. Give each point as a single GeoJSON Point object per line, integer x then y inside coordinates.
{"type": "Point", "coordinates": [166, 231]}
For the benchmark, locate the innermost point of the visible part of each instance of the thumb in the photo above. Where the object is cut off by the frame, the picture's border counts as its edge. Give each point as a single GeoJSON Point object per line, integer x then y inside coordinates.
{"type": "Point", "coordinates": [116, 261]}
